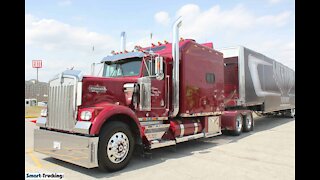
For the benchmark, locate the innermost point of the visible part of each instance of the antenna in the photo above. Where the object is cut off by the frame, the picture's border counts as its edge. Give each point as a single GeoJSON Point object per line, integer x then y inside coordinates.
{"type": "Point", "coordinates": [93, 65]}
{"type": "Point", "coordinates": [150, 42]}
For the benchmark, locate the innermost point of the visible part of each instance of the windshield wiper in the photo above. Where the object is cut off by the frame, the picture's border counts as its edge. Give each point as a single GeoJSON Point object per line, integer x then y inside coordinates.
{"type": "Point", "coordinates": [115, 69]}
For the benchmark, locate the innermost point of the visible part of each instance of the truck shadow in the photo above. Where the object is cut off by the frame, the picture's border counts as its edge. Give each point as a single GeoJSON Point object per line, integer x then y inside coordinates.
{"type": "Point", "coordinates": [181, 150]}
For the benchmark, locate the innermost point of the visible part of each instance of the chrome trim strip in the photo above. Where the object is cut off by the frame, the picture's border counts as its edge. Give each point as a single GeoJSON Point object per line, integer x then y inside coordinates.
{"type": "Point", "coordinates": [128, 85]}
{"type": "Point", "coordinates": [156, 126]}
{"type": "Point", "coordinates": [190, 137]}
{"type": "Point", "coordinates": [207, 135]}
{"type": "Point", "coordinates": [147, 123]}
{"type": "Point", "coordinates": [82, 127]}
{"type": "Point", "coordinates": [41, 122]}
{"type": "Point", "coordinates": [162, 144]}
{"type": "Point", "coordinates": [152, 118]}
{"type": "Point", "coordinates": [217, 113]}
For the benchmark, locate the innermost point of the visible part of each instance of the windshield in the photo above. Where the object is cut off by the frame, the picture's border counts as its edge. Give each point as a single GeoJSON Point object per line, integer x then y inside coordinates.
{"type": "Point", "coordinates": [127, 67]}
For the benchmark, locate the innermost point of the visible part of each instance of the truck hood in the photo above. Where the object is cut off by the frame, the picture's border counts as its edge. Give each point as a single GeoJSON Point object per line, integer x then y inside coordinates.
{"type": "Point", "coordinates": [100, 91]}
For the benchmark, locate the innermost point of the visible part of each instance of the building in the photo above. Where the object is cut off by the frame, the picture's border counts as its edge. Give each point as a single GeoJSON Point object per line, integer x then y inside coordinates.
{"type": "Point", "coordinates": [30, 102]}
{"type": "Point", "coordinates": [36, 90]}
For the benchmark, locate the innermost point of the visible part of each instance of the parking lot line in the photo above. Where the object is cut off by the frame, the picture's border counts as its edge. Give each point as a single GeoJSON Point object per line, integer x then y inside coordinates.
{"type": "Point", "coordinates": [34, 158]}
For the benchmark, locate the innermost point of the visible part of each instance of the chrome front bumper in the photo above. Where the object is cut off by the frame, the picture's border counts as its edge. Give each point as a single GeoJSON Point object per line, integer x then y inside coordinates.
{"type": "Point", "coordinates": [79, 150]}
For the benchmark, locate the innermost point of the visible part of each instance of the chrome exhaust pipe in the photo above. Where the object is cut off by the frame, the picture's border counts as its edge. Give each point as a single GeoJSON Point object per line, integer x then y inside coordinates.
{"type": "Point", "coordinates": [123, 42]}
{"type": "Point", "coordinates": [175, 65]}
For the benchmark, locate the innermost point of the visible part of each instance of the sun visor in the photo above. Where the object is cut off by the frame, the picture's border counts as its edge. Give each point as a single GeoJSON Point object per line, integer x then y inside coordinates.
{"type": "Point", "coordinates": [122, 56]}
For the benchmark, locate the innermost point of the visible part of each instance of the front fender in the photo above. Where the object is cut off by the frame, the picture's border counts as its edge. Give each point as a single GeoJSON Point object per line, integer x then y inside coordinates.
{"type": "Point", "coordinates": [111, 110]}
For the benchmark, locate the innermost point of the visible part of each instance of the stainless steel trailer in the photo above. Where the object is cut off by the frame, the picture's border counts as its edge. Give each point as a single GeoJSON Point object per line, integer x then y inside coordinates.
{"type": "Point", "coordinates": [263, 82]}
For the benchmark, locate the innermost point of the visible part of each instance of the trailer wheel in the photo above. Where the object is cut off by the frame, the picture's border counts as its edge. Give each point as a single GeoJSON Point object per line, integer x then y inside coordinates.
{"type": "Point", "coordinates": [116, 145]}
{"type": "Point", "coordinates": [248, 123]}
{"type": "Point", "coordinates": [292, 113]}
{"type": "Point", "coordinates": [239, 125]}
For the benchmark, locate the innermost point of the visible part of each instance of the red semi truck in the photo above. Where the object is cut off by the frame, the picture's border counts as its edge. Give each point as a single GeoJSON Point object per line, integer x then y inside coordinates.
{"type": "Point", "coordinates": [159, 96]}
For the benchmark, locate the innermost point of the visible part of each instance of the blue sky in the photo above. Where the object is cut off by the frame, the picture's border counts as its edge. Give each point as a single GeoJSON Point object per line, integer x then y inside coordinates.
{"type": "Point", "coordinates": [62, 32]}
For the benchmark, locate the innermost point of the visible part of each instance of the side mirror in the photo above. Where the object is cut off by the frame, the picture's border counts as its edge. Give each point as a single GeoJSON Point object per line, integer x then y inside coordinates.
{"type": "Point", "coordinates": [159, 68]}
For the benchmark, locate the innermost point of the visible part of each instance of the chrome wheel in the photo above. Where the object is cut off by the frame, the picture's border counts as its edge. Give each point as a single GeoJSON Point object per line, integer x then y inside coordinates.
{"type": "Point", "coordinates": [239, 123]}
{"type": "Point", "coordinates": [248, 122]}
{"type": "Point", "coordinates": [292, 112]}
{"type": "Point", "coordinates": [118, 147]}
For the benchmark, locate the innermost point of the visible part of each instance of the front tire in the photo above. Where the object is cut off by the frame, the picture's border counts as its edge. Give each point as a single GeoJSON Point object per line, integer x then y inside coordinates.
{"type": "Point", "coordinates": [116, 145]}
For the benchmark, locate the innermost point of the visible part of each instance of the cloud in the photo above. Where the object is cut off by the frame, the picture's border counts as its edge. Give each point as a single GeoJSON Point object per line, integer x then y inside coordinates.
{"type": "Point", "coordinates": [274, 1]}
{"type": "Point", "coordinates": [286, 54]}
{"type": "Point", "coordinates": [62, 45]}
{"type": "Point", "coordinates": [162, 17]}
{"type": "Point", "coordinates": [65, 3]}
{"type": "Point", "coordinates": [202, 23]}
{"type": "Point", "coordinates": [53, 35]}
{"type": "Point", "coordinates": [240, 26]}
{"type": "Point", "coordinates": [280, 50]}
{"type": "Point", "coordinates": [277, 20]}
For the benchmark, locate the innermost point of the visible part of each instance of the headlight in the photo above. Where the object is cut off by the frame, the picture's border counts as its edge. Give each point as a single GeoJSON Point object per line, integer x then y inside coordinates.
{"type": "Point", "coordinates": [43, 112]}
{"type": "Point", "coordinates": [86, 115]}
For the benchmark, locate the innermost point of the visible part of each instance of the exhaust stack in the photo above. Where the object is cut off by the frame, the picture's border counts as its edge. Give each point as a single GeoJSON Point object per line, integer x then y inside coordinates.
{"type": "Point", "coordinates": [123, 41]}
{"type": "Point", "coordinates": [175, 70]}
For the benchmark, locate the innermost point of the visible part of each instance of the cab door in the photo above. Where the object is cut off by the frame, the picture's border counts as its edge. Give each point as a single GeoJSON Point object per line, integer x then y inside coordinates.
{"type": "Point", "coordinates": [159, 87]}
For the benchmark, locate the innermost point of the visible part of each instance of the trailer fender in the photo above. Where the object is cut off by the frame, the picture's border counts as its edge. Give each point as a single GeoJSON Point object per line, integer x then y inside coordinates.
{"type": "Point", "coordinates": [110, 111]}
{"type": "Point", "coordinates": [228, 120]}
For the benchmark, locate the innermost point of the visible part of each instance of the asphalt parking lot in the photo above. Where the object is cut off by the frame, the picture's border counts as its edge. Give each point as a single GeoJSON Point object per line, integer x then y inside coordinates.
{"type": "Point", "coordinates": [266, 153]}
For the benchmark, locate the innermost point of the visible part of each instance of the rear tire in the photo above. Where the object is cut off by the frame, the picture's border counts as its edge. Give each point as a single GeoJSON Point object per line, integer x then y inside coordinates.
{"type": "Point", "coordinates": [293, 113]}
{"type": "Point", "coordinates": [239, 126]}
{"type": "Point", "coordinates": [248, 123]}
{"type": "Point", "coordinates": [116, 146]}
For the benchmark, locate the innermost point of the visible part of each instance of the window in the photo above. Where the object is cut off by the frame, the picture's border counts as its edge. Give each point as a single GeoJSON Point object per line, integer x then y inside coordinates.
{"type": "Point", "coordinates": [151, 67]}
{"type": "Point", "coordinates": [210, 78]}
{"type": "Point", "coordinates": [126, 67]}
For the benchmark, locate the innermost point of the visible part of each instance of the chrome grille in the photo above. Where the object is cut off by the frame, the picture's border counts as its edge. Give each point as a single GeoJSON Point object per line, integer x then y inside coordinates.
{"type": "Point", "coordinates": [61, 104]}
